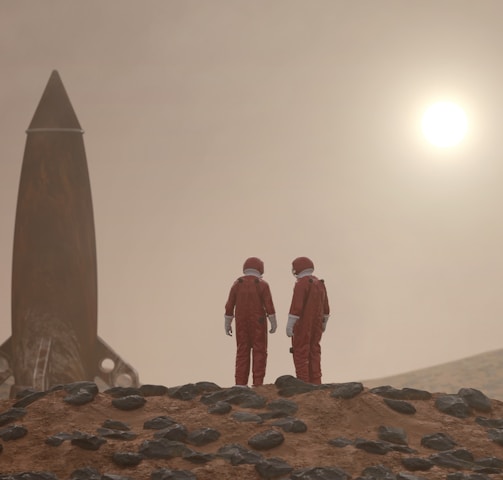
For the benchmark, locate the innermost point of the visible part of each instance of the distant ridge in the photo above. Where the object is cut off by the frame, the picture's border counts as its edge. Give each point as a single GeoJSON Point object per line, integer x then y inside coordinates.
{"type": "Point", "coordinates": [483, 372]}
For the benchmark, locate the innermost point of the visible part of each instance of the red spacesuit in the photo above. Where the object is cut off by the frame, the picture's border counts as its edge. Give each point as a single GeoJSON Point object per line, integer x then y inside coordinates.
{"type": "Point", "coordinates": [250, 302]}
{"type": "Point", "coordinates": [307, 320]}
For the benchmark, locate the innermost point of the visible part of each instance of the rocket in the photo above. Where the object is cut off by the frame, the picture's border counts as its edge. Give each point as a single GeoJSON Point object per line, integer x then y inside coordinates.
{"type": "Point", "coordinates": [54, 268]}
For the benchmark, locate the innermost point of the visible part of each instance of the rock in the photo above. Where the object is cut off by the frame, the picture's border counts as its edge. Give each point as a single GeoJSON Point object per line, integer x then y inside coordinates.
{"type": "Point", "coordinates": [244, 397]}
{"type": "Point", "coordinates": [371, 446]}
{"type": "Point", "coordinates": [400, 406]}
{"type": "Point", "coordinates": [116, 425]}
{"type": "Point", "coordinates": [340, 442]}
{"type": "Point", "coordinates": [76, 387]}
{"type": "Point", "coordinates": [290, 424]}
{"type": "Point", "coordinates": [475, 399]}
{"type": "Point", "coordinates": [118, 392]}
{"type": "Point", "coordinates": [236, 454]}
{"type": "Point", "coordinates": [273, 467]}
{"type": "Point", "coordinates": [113, 476]}
{"type": "Point", "coordinates": [127, 459]}
{"type": "Point", "coordinates": [220, 408]}
{"type": "Point", "coordinates": [288, 386]}
{"type": "Point", "coordinates": [438, 441]}
{"type": "Point", "coordinates": [58, 439]}
{"type": "Point", "coordinates": [116, 434]}
{"type": "Point", "coordinates": [167, 474]}
{"type": "Point", "coordinates": [158, 423]}
{"type": "Point", "coordinates": [266, 440]}
{"type": "Point", "coordinates": [387, 391]}
{"type": "Point", "coordinates": [247, 417]}
{"type": "Point", "coordinates": [490, 422]}
{"type": "Point", "coordinates": [30, 476]}
{"type": "Point", "coordinates": [13, 432]}
{"type": "Point", "coordinates": [416, 463]}
{"type": "Point", "coordinates": [496, 435]}
{"type": "Point", "coordinates": [491, 462]}
{"type": "Point", "coordinates": [320, 473]}
{"type": "Point", "coordinates": [163, 448]}
{"type": "Point", "coordinates": [153, 390]}
{"type": "Point", "coordinates": [392, 434]}
{"type": "Point", "coordinates": [408, 476]}
{"type": "Point", "coordinates": [29, 399]}
{"type": "Point", "coordinates": [205, 387]}
{"type": "Point", "coordinates": [175, 432]}
{"type": "Point", "coordinates": [129, 402]}
{"type": "Point", "coordinates": [449, 460]}
{"type": "Point", "coordinates": [453, 405]}
{"type": "Point", "coordinates": [198, 457]}
{"type": "Point", "coordinates": [378, 472]}
{"type": "Point", "coordinates": [11, 415]}
{"type": "Point", "coordinates": [86, 473]}
{"type": "Point", "coordinates": [203, 436]}
{"type": "Point", "coordinates": [80, 398]}
{"type": "Point", "coordinates": [347, 390]}
{"type": "Point", "coordinates": [188, 391]}
{"type": "Point", "coordinates": [282, 407]}
{"type": "Point", "coordinates": [86, 441]}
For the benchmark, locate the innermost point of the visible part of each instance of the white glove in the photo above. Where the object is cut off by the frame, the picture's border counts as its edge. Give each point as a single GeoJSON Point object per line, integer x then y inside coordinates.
{"type": "Point", "coordinates": [274, 324]}
{"type": "Point", "coordinates": [292, 320]}
{"type": "Point", "coordinates": [324, 324]}
{"type": "Point", "coordinates": [228, 328]}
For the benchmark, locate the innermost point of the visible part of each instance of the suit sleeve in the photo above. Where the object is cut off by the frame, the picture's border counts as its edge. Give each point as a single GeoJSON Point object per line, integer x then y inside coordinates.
{"type": "Point", "coordinates": [299, 294]}
{"type": "Point", "coordinates": [326, 306]}
{"type": "Point", "coordinates": [266, 295]}
{"type": "Point", "coordinates": [231, 301]}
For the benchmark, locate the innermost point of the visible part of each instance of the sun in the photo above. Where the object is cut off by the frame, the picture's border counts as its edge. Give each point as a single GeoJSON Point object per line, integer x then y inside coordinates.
{"type": "Point", "coordinates": [444, 124]}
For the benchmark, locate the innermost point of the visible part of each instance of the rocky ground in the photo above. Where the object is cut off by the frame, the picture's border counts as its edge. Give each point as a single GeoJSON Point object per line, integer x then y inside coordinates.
{"type": "Point", "coordinates": [286, 430]}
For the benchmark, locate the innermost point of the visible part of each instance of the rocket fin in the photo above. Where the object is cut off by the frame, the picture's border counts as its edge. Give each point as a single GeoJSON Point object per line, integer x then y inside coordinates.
{"type": "Point", "coordinates": [111, 369]}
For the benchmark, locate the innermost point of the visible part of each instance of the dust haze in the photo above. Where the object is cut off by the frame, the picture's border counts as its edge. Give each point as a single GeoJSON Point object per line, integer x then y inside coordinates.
{"type": "Point", "coordinates": [219, 130]}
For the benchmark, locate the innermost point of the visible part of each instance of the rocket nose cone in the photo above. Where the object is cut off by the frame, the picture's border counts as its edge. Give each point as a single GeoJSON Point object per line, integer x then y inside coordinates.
{"type": "Point", "coordinates": [54, 109]}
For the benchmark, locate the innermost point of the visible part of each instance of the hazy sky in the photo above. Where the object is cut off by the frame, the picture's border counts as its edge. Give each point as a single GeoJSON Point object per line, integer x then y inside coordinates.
{"type": "Point", "coordinates": [221, 129]}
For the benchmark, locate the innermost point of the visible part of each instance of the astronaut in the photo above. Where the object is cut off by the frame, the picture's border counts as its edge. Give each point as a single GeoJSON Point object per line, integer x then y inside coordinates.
{"type": "Point", "coordinates": [250, 303]}
{"type": "Point", "coordinates": [307, 320]}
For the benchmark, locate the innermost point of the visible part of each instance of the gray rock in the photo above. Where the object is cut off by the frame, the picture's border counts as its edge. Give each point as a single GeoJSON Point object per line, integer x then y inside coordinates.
{"type": "Point", "coordinates": [11, 415]}
{"type": "Point", "coordinates": [492, 462]}
{"type": "Point", "coordinates": [453, 405]}
{"type": "Point", "coordinates": [236, 454]}
{"type": "Point", "coordinates": [158, 423]}
{"type": "Point", "coordinates": [116, 425]}
{"type": "Point", "coordinates": [320, 473]}
{"type": "Point", "coordinates": [387, 391]}
{"type": "Point", "coordinates": [127, 459]}
{"type": "Point", "coordinates": [198, 457]}
{"type": "Point", "coordinates": [163, 448]}
{"type": "Point", "coordinates": [266, 440]}
{"type": "Point", "coordinates": [29, 399]}
{"type": "Point", "coordinates": [496, 435]}
{"type": "Point", "coordinates": [408, 476]}
{"type": "Point", "coordinates": [76, 387]}
{"type": "Point", "coordinates": [378, 472]}
{"type": "Point", "coordinates": [86, 473]}
{"type": "Point", "coordinates": [29, 476]}
{"type": "Point", "coordinates": [288, 386]}
{"type": "Point", "coordinates": [475, 399]}
{"type": "Point", "coordinates": [58, 439]}
{"type": "Point", "coordinates": [153, 390]}
{"type": "Point", "coordinates": [220, 408]}
{"type": "Point", "coordinates": [247, 417]}
{"type": "Point", "coordinates": [489, 422]}
{"type": "Point", "coordinates": [438, 441]}
{"type": "Point", "coordinates": [273, 467]}
{"type": "Point", "coordinates": [400, 406]}
{"type": "Point", "coordinates": [466, 476]}
{"type": "Point", "coordinates": [347, 390]}
{"type": "Point", "coordinates": [282, 407]}
{"type": "Point", "coordinates": [203, 436]}
{"type": "Point", "coordinates": [13, 432]}
{"type": "Point", "coordinates": [340, 442]}
{"type": "Point", "coordinates": [371, 446]}
{"type": "Point", "coordinates": [244, 397]}
{"type": "Point", "coordinates": [113, 476]}
{"type": "Point", "coordinates": [129, 402]}
{"type": "Point", "coordinates": [449, 460]}
{"type": "Point", "coordinates": [205, 387]}
{"type": "Point", "coordinates": [167, 474]}
{"type": "Point", "coordinates": [175, 432]}
{"type": "Point", "coordinates": [86, 441]}
{"type": "Point", "coordinates": [392, 434]}
{"type": "Point", "coordinates": [118, 392]}
{"type": "Point", "coordinates": [116, 434]}
{"type": "Point", "coordinates": [290, 424]}
{"type": "Point", "coordinates": [416, 463]}
{"type": "Point", "coordinates": [188, 391]}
